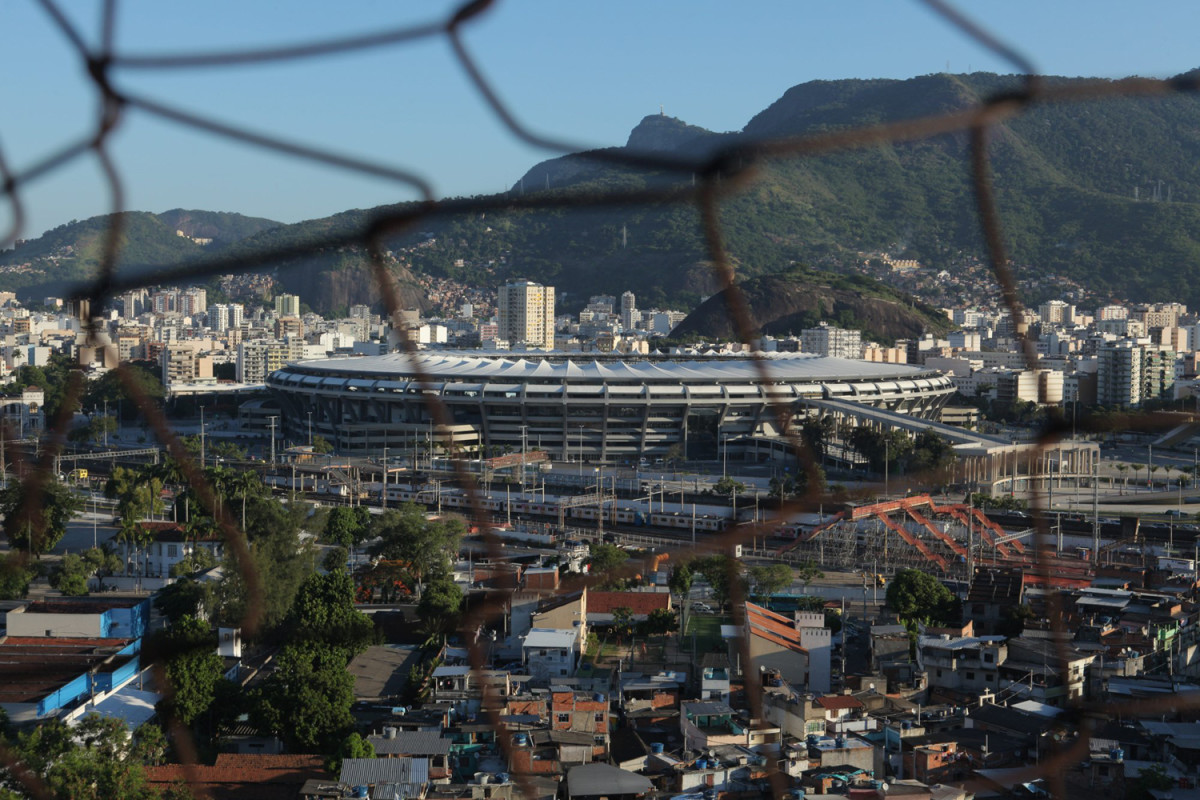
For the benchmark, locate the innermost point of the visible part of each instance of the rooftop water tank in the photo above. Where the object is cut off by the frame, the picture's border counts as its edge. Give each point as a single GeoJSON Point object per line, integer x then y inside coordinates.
{"type": "Point", "coordinates": [656, 747]}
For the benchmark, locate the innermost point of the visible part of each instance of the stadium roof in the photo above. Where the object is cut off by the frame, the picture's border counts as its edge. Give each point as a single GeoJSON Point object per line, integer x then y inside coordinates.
{"type": "Point", "coordinates": [574, 366]}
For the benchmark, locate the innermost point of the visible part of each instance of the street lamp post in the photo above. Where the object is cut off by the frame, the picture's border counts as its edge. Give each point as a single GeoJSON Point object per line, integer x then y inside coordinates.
{"type": "Point", "coordinates": [886, 459]}
{"type": "Point", "coordinates": [581, 453]}
{"type": "Point", "coordinates": [724, 454]}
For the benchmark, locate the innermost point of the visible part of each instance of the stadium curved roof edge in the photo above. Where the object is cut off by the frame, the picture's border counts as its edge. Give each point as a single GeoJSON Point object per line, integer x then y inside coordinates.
{"type": "Point", "coordinates": [578, 366]}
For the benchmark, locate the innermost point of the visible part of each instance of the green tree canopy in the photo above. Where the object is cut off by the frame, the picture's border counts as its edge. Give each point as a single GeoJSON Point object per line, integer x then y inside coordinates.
{"type": "Point", "coordinates": [917, 596]}
{"type": "Point", "coordinates": [307, 699]}
{"type": "Point", "coordinates": [440, 605]}
{"type": "Point", "coordinates": [770, 579]}
{"type": "Point", "coordinates": [719, 572]}
{"type": "Point", "coordinates": [324, 611]}
{"type": "Point", "coordinates": [36, 512]}
{"type": "Point", "coordinates": [192, 667]}
{"type": "Point", "coordinates": [346, 526]}
{"type": "Point", "coordinates": [428, 546]}
{"type": "Point", "coordinates": [680, 582]}
{"type": "Point", "coordinates": [605, 558]}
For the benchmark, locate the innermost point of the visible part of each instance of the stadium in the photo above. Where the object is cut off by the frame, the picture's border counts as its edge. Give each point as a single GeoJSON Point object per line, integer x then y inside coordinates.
{"type": "Point", "coordinates": [598, 407]}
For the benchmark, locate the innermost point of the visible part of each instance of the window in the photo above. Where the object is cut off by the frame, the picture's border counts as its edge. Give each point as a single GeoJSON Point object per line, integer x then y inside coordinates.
{"type": "Point", "coordinates": [989, 657]}
{"type": "Point", "coordinates": [172, 551]}
{"type": "Point", "coordinates": [939, 673]}
{"type": "Point", "coordinates": [564, 717]}
{"type": "Point", "coordinates": [562, 672]}
{"type": "Point", "coordinates": [970, 676]}
{"type": "Point", "coordinates": [599, 716]}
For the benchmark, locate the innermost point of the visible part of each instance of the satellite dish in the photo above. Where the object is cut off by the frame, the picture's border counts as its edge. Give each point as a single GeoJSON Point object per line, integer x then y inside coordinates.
{"type": "Point", "coordinates": [883, 787]}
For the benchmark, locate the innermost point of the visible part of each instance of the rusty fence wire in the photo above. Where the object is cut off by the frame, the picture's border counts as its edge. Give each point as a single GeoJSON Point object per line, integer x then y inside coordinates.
{"type": "Point", "coordinates": [724, 174]}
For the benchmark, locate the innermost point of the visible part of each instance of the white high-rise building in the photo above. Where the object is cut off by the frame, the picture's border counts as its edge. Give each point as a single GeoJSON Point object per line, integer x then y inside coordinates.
{"type": "Point", "coordinates": [527, 314]}
{"type": "Point", "coordinates": [629, 312]}
{"type": "Point", "coordinates": [222, 317]}
{"type": "Point", "coordinates": [826, 340]}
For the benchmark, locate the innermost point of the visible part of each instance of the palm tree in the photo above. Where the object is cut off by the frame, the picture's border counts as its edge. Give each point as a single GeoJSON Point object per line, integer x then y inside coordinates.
{"type": "Point", "coordinates": [1136, 469]}
{"type": "Point", "coordinates": [244, 483]}
{"type": "Point", "coordinates": [1123, 468]}
{"type": "Point", "coordinates": [1149, 477]}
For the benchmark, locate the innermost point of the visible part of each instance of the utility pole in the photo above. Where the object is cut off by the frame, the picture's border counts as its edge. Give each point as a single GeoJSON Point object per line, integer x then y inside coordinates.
{"type": "Point", "coordinates": [201, 433]}
{"type": "Point", "coordinates": [310, 429]}
{"type": "Point", "coordinates": [524, 433]}
{"type": "Point", "coordinates": [383, 495]}
{"type": "Point", "coordinates": [272, 420]}
{"type": "Point", "coordinates": [1096, 512]}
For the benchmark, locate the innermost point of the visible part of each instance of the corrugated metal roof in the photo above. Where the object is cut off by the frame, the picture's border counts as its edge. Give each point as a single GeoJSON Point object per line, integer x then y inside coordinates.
{"type": "Point", "coordinates": [411, 743]}
{"type": "Point", "coordinates": [372, 771]}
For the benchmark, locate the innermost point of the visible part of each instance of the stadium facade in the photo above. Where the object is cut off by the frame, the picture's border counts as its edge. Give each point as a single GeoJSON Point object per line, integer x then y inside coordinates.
{"type": "Point", "coordinates": [599, 407]}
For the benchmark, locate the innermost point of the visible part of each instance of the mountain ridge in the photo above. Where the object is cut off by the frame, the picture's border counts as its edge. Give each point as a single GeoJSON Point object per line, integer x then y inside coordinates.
{"type": "Point", "coordinates": [1107, 192]}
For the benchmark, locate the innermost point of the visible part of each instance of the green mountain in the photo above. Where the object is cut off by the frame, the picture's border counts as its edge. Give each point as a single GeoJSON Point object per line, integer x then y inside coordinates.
{"type": "Point", "coordinates": [788, 302]}
{"type": "Point", "coordinates": [68, 256]}
{"type": "Point", "coordinates": [1104, 192]}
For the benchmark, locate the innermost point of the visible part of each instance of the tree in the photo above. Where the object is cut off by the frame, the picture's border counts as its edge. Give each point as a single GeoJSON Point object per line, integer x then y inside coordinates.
{"type": "Point", "coordinates": [321, 445]}
{"type": "Point", "coordinates": [427, 545]}
{"type": "Point", "coordinates": [184, 597]}
{"type": "Point", "coordinates": [112, 387]}
{"type": "Point", "coordinates": [192, 669]}
{"type": "Point", "coordinates": [808, 572]}
{"type": "Point", "coordinates": [344, 526]}
{"type": "Point", "coordinates": [307, 699]}
{"type": "Point", "coordinates": [1136, 469]}
{"type": "Point", "coordinates": [770, 579]}
{"type": "Point", "coordinates": [439, 607]}
{"type": "Point", "coordinates": [198, 559]}
{"type": "Point", "coordinates": [661, 621]}
{"type": "Point", "coordinates": [1154, 777]}
{"type": "Point", "coordinates": [680, 582]}
{"type": "Point", "coordinates": [727, 486]}
{"type": "Point", "coordinates": [335, 559]}
{"type": "Point", "coordinates": [278, 558]}
{"type": "Point", "coordinates": [719, 572]}
{"type": "Point", "coordinates": [622, 622]}
{"type": "Point", "coordinates": [16, 573]}
{"type": "Point", "coordinates": [92, 761]}
{"type": "Point", "coordinates": [70, 576]}
{"type": "Point", "coordinates": [103, 562]}
{"type": "Point", "coordinates": [324, 611]}
{"type": "Point", "coordinates": [917, 596]}
{"type": "Point", "coordinates": [36, 512]}
{"type": "Point", "coordinates": [353, 746]}
{"type": "Point", "coordinates": [606, 558]}
{"type": "Point", "coordinates": [149, 744]}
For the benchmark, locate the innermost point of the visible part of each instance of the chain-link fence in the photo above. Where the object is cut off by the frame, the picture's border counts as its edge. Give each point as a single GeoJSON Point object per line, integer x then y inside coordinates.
{"type": "Point", "coordinates": [717, 177]}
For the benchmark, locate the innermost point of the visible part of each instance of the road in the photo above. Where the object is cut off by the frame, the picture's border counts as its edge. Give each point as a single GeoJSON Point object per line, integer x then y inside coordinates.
{"type": "Point", "coordinates": [81, 534]}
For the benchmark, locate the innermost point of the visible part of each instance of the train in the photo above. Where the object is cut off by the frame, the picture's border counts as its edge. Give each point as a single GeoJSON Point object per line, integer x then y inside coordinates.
{"type": "Point", "coordinates": [626, 512]}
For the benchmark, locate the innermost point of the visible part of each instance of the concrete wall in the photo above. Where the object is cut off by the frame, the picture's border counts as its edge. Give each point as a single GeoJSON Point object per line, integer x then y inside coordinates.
{"type": "Point", "coordinates": [23, 623]}
{"type": "Point", "coordinates": [792, 666]}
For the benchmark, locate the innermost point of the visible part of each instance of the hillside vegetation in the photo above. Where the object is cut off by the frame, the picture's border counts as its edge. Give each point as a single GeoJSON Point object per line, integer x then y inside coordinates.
{"type": "Point", "coordinates": [1103, 192]}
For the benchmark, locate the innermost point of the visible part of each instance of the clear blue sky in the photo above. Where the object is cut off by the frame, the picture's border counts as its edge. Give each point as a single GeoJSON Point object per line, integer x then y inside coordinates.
{"type": "Point", "coordinates": [585, 72]}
